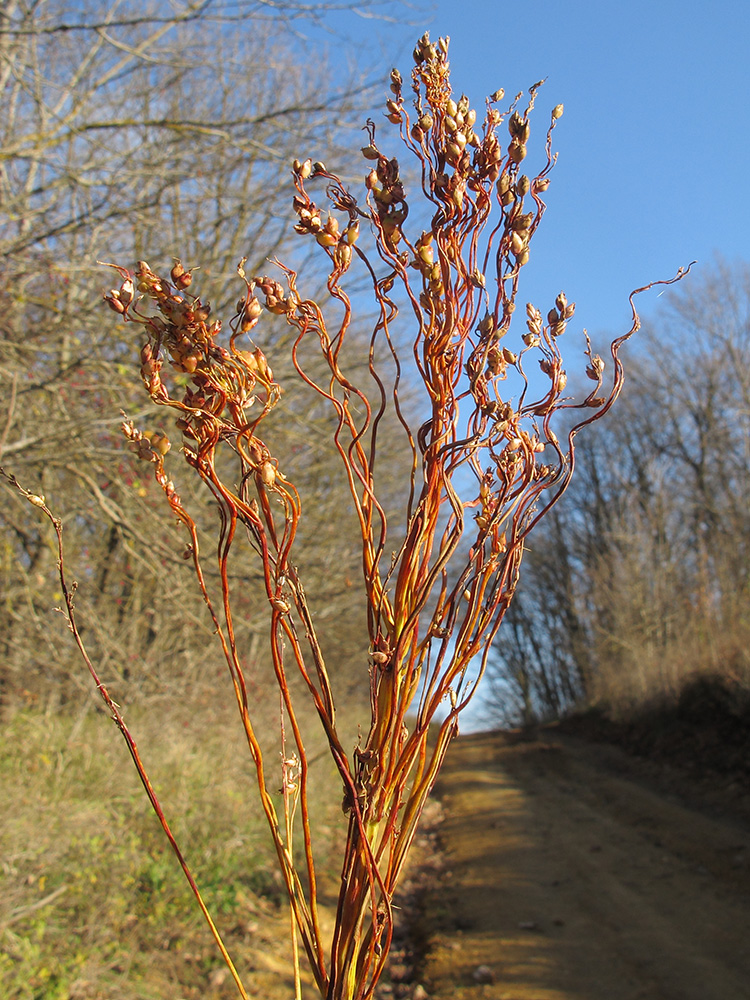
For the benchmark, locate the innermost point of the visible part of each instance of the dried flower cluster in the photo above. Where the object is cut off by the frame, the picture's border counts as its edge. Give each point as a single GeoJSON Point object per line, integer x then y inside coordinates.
{"type": "Point", "coordinates": [435, 604]}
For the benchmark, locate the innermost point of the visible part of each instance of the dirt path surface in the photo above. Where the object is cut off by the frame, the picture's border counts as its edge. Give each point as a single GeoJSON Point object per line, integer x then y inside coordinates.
{"type": "Point", "coordinates": [570, 874]}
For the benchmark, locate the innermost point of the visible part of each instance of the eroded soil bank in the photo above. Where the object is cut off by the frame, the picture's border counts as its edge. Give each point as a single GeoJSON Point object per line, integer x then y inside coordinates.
{"type": "Point", "coordinates": [573, 871]}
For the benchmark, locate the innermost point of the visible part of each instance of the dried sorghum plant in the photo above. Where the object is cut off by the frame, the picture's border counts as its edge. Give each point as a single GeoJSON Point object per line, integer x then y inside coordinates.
{"type": "Point", "coordinates": [486, 465]}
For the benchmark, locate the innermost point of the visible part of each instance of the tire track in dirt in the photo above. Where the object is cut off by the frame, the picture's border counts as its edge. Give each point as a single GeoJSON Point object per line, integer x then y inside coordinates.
{"type": "Point", "coordinates": [570, 878]}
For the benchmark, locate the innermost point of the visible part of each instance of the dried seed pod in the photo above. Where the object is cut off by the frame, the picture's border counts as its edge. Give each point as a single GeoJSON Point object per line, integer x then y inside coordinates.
{"type": "Point", "coordinates": [343, 255]}
{"type": "Point", "coordinates": [487, 324]}
{"type": "Point", "coordinates": [522, 222]}
{"type": "Point", "coordinates": [184, 280]}
{"type": "Point", "coordinates": [143, 450]}
{"type": "Point", "coordinates": [517, 244]}
{"type": "Point", "coordinates": [268, 474]}
{"type": "Point", "coordinates": [127, 292]}
{"type": "Point", "coordinates": [351, 233]}
{"type": "Point", "coordinates": [113, 301]}
{"type": "Point", "coordinates": [251, 310]}
{"type": "Point", "coordinates": [519, 127]}
{"type": "Point", "coordinates": [160, 443]}
{"type": "Point", "coordinates": [263, 366]}
{"type": "Point", "coordinates": [495, 363]}
{"type": "Point", "coordinates": [302, 170]}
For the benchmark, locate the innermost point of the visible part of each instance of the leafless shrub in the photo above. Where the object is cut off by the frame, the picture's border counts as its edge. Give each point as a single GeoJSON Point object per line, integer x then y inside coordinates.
{"type": "Point", "coordinates": [485, 466]}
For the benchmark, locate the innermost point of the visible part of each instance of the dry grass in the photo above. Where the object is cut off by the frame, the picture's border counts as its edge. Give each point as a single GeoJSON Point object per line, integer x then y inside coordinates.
{"type": "Point", "coordinates": [92, 903]}
{"type": "Point", "coordinates": [641, 667]}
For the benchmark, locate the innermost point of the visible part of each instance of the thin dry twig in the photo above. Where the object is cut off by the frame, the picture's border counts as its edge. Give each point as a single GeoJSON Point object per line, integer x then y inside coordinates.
{"type": "Point", "coordinates": [68, 592]}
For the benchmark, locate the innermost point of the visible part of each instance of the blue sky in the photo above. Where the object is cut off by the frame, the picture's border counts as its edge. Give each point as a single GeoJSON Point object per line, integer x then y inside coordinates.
{"type": "Point", "coordinates": [654, 145]}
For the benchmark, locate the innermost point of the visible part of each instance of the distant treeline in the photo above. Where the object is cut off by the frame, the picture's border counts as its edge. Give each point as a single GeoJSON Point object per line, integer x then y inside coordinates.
{"type": "Point", "coordinates": [638, 582]}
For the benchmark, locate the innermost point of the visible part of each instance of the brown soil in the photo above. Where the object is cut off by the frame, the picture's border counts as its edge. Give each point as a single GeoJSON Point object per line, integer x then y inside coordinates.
{"type": "Point", "coordinates": [574, 871]}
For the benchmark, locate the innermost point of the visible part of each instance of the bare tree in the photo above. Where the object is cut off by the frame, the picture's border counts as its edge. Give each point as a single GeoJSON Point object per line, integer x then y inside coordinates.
{"type": "Point", "coordinates": [651, 586]}
{"type": "Point", "coordinates": [124, 129]}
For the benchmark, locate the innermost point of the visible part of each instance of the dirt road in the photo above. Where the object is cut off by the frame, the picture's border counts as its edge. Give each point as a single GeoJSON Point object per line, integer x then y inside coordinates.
{"type": "Point", "coordinates": [573, 875]}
